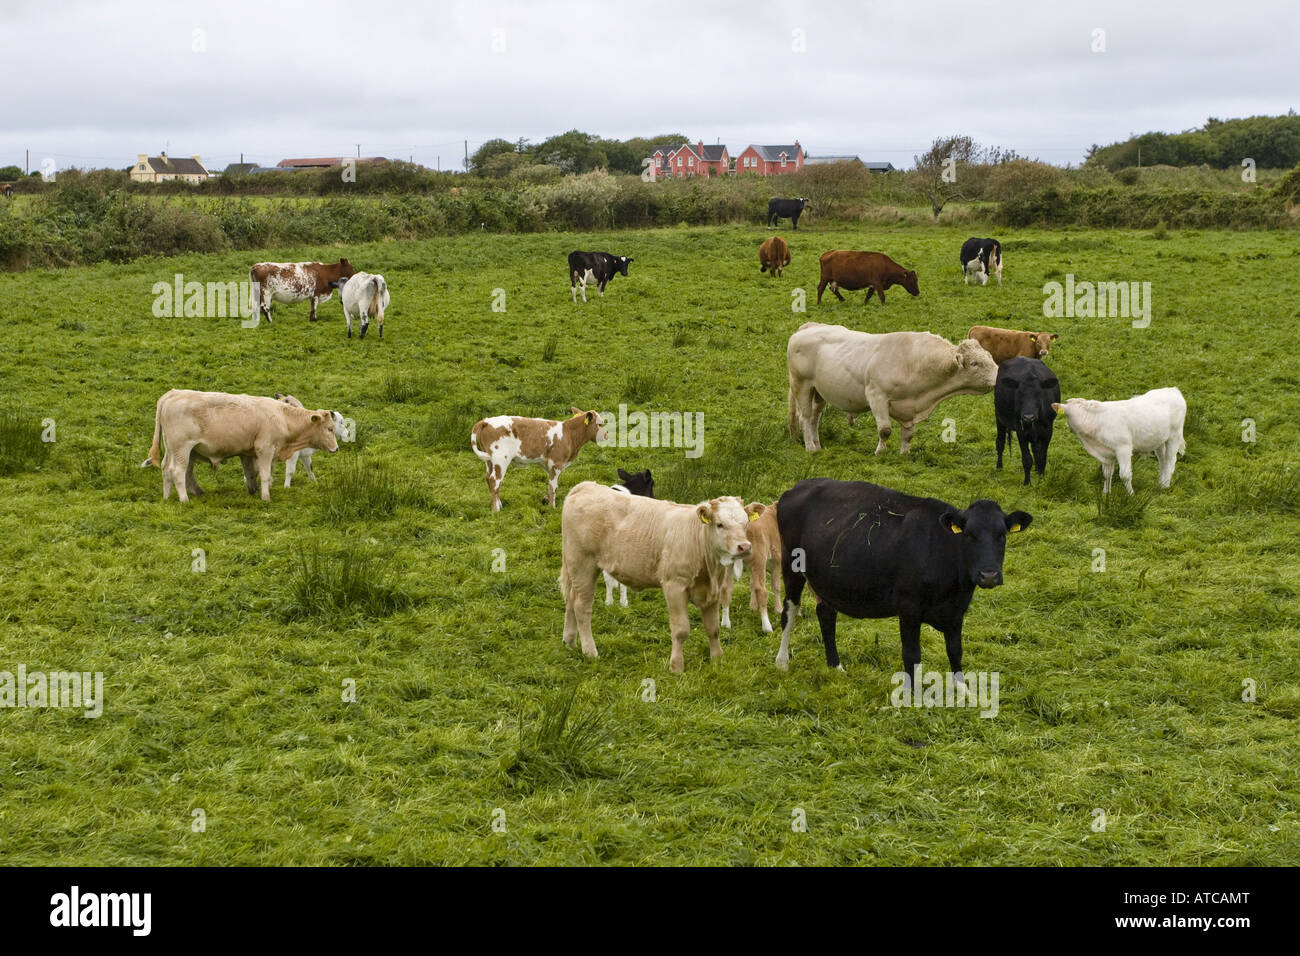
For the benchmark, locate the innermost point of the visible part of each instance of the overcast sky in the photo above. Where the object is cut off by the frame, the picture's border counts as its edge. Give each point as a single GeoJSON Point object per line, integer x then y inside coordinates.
{"type": "Point", "coordinates": [95, 83]}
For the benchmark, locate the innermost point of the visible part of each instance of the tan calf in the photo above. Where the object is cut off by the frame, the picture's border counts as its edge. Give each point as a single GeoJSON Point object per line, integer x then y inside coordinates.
{"type": "Point", "coordinates": [685, 550]}
{"type": "Point", "coordinates": [1004, 344]}
{"type": "Point", "coordinates": [505, 439]}
{"type": "Point", "coordinates": [214, 426]}
{"type": "Point", "coordinates": [773, 256]}
{"type": "Point", "coordinates": [764, 558]}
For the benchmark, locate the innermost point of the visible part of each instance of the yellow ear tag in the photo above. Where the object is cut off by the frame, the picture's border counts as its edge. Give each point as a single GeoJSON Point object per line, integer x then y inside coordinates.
{"type": "Point", "coordinates": [587, 420]}
{"type": "Point", "coordinates": [704, 519]}
{"type": "Point", "coordinates": [1015, 527]}
{"type": "Point", "coordinates": [752, 516]}
{"type": "Point", "coordinates": [955, 529]}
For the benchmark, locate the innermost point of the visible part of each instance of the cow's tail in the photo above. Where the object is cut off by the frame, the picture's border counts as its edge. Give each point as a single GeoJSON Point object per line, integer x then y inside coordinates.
{"type": "Point", "coordinates": [254, 292]}
{"type": "Point", "coordinates": [791, 416]}
{"type": "Point", "coordinates": [376, 296]}
{"type": "Point", "coordinates": [473, 442]}
{"type": "Point", "coordinates": [155, 455]}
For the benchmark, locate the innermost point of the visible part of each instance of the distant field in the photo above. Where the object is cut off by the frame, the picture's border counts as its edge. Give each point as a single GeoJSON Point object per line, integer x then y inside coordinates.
{"type": "Point", "coordinates": [1121, 691]}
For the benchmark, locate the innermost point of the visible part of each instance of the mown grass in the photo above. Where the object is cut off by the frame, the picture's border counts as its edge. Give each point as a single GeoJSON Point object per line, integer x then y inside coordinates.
{"type": "Point", "coordinates": [226, 689]}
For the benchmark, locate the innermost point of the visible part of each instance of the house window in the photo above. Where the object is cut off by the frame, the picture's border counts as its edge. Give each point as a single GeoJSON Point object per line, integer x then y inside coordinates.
{"type": "Point", "coordinates": [679, 160]}
{"type": "Point", "coordinates": [783, 160]}
{"type": "Point", "coordinates": [692, 161]}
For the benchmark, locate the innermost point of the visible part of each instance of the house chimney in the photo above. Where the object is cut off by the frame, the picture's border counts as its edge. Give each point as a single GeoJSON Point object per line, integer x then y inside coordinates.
{"type": "Point", "coordinates": [163, 157]}
{"type": "Point", "coordinates": [142, 158]}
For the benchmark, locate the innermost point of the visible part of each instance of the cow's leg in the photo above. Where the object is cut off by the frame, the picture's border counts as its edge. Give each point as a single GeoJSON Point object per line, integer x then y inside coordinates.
{"type": "Point", "coordinates": [496, 473]}
{"type": "Point", "coordinates": [679, 624]}
{"type": "Point", "coordinates": [248, 463]}
{"type": "Point", "coordinates": [1167, 457]}
{"type": "Point", "coordinates": [835, 287]}
{"type": "Point", "coordinates": [365, 322]}
{"type": "Point", "coordinates": [727, 590]}
{"type": "Point", "coordinates": [289, 467]}
{"type": "Point", "coordinates": [583, 587]}
{"type": "Point", "coordinates": [313, 308]}
{"type": "Point", "coordinates": [909, 629]}
{"type": "Point", "coordinates": [952, 641]}
{"type": "Point", "coordinates": [758, 591]}
{"type": "Point", "coordinates": [820, 286]}
{"type": "Point", "coordinates": [870, 290]}
{"type": "Point", "coordinates": [265, 459]}
{"type": "Point", "coordinates": [812, 421]}
{"type": "Point", "coordinates": [570, 619]}
{"type": "Point", "coordinates": [381, 324]}
{"type": "Point", "coordinates": [1001, 443]}
{"type": "Point", "coordinates": [826, 618]}
{"type": "Point", "coordinates": [167, 473]}
{"type": "Point", "coordinates": [794, 582]}
{"type": "Point", "coordinates": [879, 405]}
{"type": "Point", "coordinates": [1107, 472]}
{"type": "Point", "coordinates": [794, 222]}
{"type": "Point", "coordinates": [306, 462]}
{"type": "Point", "coordinates": [191, 483]}
{"type": "Point", "coordinates": [552, 482]}
{"type": "Point", "coordinates": [180, 464]}
{"type": "Point", "coordinates": [906, 435]}
{"type": "Point", "coordinates": [709, 618]}
{"type": "Point", "coordinates": [1026, 453]}
{"type": "Point", "coordinates": [1040, 455]}
{"type": "Point", "coordinates": [1124, 456]}
{"type": "Point", "coordinates": [573, 287]}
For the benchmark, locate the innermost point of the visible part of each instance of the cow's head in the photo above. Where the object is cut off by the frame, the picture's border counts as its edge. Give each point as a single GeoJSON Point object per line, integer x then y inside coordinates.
{"type": "Point", "coordinates": [640, 483]}
{"type": "Point", "coordinates": [1041, 342]}
{"type": "Point", "coordinates": [975, 366]}
{"type": "Point", "coordinates": [345, 269]}
{"type": "Point", "coordinates": [321, 434]}
{"type": "Point", "coordinates": [908, 281]}
{"type": "Point", "coordinates": [1031, 398]}
{"type": "Point", "coordinates": [592, 424]}
{"type": "Point", "coordinates": [621, 263]}
{"type": "Point", "coordinates": [1076, 412]}
{"type": "Point", "coordinates": [725, 521]}
{"type": "Point", "coordinates": [804, 204]}
{"type": "Point", "coordinates": [981, 531]}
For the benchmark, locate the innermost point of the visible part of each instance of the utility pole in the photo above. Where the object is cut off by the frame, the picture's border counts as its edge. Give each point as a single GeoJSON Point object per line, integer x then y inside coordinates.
{"type": "Point", "coordinates": [438, 161]}
{"type": "Point", "coordinates": [466, 155]}
{"type": "Point", "coordinates": [29, 162]}
{"type": "Point", "coordinates": [358, 150]}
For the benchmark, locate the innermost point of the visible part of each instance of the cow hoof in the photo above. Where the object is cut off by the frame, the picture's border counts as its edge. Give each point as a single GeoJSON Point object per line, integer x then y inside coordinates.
{"type": "Point", "coordinates": [840, 668]}
{"type": "Point", "coordinates": [783, 662]}
{"type": "Point", "coordinates": [676, 665]}
{"type": "Point", "coordinates": [570, 641]}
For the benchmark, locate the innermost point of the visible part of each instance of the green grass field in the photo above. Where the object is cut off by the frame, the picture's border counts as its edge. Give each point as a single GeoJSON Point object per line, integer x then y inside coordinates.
{"type": "Point", "coordinates": [1121, 691]}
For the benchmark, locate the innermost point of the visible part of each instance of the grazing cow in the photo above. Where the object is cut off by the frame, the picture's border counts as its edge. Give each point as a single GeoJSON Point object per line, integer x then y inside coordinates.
{"type": "Point", "coordinates": [763, 559]}
{"type": "Point", "coordinates": [872, 552]}
{"type": "Point", "coordinates": [791, 209]}
{"type": "Point", "coordinates": [364, 295]}
{"type": "Point", "coordinates": [294, 282]}
{"type": "Point", "coordinates": [7, 189]}
{"type": "Point", "coordinates": [1005, 344]}
{"type": "Point", "coordinates": [1022, 403]}
{"type": "Point", "coordinates": [873, 271]}
{"type": "Point", "coordinates": [979, 257]}
{"type": "Point", "coordinates": [217, 425]}
{"type": "Point", "coordinates": [686, 550]}
{"type": "Point", "coordinates": [505, 439]}
{"type": "Point", "coordinates": [1112, 431]}
{"type": "Point", "coordinates": [597, 267]}
{"type": "Point", "coordinates": [304, 454]}
{"type": "Point", "coordinates": [773, 256]}
{"type": "Point", "coordinates": [641, 483]}
{"type": "Point", "coordinates": [898, 375]}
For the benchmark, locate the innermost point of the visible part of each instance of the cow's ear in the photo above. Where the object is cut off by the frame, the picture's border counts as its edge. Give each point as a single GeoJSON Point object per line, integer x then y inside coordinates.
{"type": "Point", "coordinates": [954, 521]}
{"type": "Point", "coordinates": [1018, 521]}
{"type": "Point", "coordinates": [589, 418]}
{"type": "Point", "coordinates": [1055, 336]}
{"type": "Point", "coordinates": [1058, 407]}
{"type": "Point", "coordinates": [705, 510]}
{"type": "Point", "coordinates": [624, 475]}
{"type": "Point", "coordinates": [575, 409]}
{"type": "Point", "coordinates": [315, 416]}
{"type": "Point", "coordinates": [754, 509]}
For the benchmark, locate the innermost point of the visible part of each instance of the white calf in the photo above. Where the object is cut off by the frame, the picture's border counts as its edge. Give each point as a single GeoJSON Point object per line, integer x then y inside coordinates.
{"type": "Point", "coordinates": [1112, 431]}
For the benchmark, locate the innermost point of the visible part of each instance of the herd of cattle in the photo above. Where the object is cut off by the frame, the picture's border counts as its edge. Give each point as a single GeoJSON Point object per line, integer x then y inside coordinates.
{"type": "Point", "coordinates": [861, 549]}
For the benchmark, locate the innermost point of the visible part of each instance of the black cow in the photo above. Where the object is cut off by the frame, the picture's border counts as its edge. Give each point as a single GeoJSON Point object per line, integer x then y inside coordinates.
{"type": "Point", "coordinates": [790, 209]}
{"type": "Point", "coordinates": [979, 258]}
{"type": "Point", "coordinates": [1022, 402]}
{"type": "Point", "coordinates": [869, 551]}
{"type": "Point", "coordinates": [597, 267]}
{"type": "Point", "coordinates": [639, 483]}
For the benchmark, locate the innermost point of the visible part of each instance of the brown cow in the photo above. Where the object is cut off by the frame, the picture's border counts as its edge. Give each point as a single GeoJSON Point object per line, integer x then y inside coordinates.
{"type": "Point", "coordinates": [504, 439]}
{"type": "Point", "coordinates": [773, 256]}
{"type": "Point", "coordinates": [873, 271]}
{"type": "Point", "coordinates": [764, 558]}
{"type": "Point", "coordinates": [294, 282]}
{"type": "Point", "coordinates": [217, 425]}
{"type": "Point", "coordinates": [1006, 344]}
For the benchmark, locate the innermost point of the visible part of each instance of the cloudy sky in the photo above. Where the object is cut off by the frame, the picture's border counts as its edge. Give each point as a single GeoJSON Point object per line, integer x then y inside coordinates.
{"type": "Point", "coordinates": [95, 83]}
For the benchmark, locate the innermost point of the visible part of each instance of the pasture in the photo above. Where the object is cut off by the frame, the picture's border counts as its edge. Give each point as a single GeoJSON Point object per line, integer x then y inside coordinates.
{"type": "Point", "coordinates": [1122, 736]}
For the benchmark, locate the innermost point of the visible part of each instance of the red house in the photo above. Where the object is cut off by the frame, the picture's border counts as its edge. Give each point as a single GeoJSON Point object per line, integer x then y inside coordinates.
{"type": "Point", "coordinates": [714, 160]}
{"type": "Point", "coordinates": [670, 161]}
{"type": "Point", "coordinates": [771, 160]}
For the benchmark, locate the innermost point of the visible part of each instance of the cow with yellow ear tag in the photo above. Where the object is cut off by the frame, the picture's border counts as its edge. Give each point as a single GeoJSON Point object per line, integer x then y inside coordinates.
{"type": "Point", "coordinates": [764, 559]}
{"type": "Point", "coordinates": [505, 439]}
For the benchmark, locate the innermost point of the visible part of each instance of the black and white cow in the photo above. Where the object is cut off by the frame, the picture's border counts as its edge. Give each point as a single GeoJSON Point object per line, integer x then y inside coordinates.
{"type": "Point", "coordinates": [790, 209]}
{"type": "Point", "coordinates": [597, 267]}
{"type": "Point", "coordinates": [868, 551]}
{"type": "Point", "coordinates": [979, 257]}
{"type": "Point", "coordinates": [1022, 403]}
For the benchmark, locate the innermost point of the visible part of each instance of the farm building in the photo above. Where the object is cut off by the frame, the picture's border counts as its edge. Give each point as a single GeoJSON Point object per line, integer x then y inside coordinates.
{"type": "Point", "coordinates": [157, 169]}
{"type": "Point", "coordinates": [771, 160]}
{"type": "Point", "coordinates": [827, 160]}
{"type": "Point", "coordinates": [325, 162]}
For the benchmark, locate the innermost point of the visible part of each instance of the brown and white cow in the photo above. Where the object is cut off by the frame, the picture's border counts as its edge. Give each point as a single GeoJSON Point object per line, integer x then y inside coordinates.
{"type": "Point", "coordinates": [685, 550]}
{"type": "Point", "coordinates": [897, 375]}
{"type": "Point", "coordinates": [873, 271]}
{"type": "Point", "coordinates": [1006, 344]}
{"type": "Point", "coordinates": [214, 426]}
{"type": "Point", "coordinates": [773, 256]}
{"type": "Point", "coordinates": [505, 439]}
{"type": "Point", "coordinates": [295, 282]}
{"type": "Point", "coordinates": [764, 558]}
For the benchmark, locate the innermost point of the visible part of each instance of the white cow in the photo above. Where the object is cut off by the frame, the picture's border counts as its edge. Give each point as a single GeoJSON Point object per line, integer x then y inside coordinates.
{"type": "Point", "coordinates": [686, 550]}
{"type": "Point", "coordinates": [364, 295]}
{"type": "Point", "coordinates": [898, 375]}
{"type": "Point", "coordinates": [340, 430]}
{"type": "Point", "coordinates": [1112, 431]}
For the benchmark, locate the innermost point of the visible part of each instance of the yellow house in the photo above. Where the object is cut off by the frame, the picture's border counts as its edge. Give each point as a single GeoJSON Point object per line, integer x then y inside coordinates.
{"type": "Point", "coordinates": [156, 169]}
